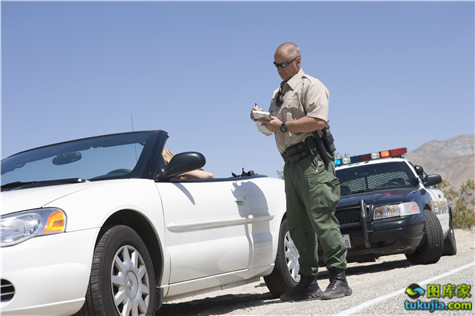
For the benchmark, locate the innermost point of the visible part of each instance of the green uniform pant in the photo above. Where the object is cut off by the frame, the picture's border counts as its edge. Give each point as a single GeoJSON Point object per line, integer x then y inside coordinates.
{"type": "Point", "coordinates": [312, 191]}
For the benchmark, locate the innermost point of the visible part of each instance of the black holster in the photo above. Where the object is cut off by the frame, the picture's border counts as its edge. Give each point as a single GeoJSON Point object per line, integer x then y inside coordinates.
{"type": "Point", "coordinates": [325, 143]}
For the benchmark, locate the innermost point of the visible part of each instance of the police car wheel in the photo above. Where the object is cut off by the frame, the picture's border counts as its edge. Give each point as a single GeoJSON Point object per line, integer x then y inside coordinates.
{"type": "Point", "coordinates": [431, 246]}
{"type": "Point", "coordinates": [450, 245]}
{"type": "Point", "coordinates": [286, 267]}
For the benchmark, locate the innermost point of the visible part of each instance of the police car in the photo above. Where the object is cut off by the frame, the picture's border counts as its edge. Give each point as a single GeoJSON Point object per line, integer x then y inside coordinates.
{"type": "Point", "coordinates": [390, 206]}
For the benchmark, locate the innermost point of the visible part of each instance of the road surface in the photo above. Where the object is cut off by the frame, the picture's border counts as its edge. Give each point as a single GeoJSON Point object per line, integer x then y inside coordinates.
{"type": "Point", "coordinates": [378, 289]}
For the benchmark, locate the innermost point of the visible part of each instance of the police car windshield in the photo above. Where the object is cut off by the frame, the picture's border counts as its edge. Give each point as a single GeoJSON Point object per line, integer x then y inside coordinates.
{"type": "Point", "coordinates": [373, 177]}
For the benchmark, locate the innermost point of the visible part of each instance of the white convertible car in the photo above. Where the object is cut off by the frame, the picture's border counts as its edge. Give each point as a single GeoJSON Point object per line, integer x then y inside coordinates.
{"type": "Point", "coordinates": [102, 226]}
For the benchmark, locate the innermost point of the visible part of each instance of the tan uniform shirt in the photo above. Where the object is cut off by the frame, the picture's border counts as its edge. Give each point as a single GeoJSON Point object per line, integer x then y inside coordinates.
{"type": "Point", "coordinates": [303, 96]}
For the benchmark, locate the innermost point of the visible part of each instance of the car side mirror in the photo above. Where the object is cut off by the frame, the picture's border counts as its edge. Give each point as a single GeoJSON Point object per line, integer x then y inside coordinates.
{"type": "Point", "coordinates": [432, 179]}
{"type": "Point", "coordinates": [419, 171]}
{"type": "Point", "coordinates": [181, 163]}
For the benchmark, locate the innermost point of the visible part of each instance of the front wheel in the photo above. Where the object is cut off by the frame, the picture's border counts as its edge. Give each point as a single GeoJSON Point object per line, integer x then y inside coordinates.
{"type": "Point", "coordinates": [430, 249]}
{"type": "Point", "coordinates": [122, 280]}
{"type": "Point", "coordinates": [286, 268]}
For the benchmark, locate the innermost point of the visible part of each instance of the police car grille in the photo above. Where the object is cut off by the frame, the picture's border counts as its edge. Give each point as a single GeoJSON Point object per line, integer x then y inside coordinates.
{"type": "Point", "coordinates": [7, 291]}
{"type": "Point", "coordinates": [349, 215]}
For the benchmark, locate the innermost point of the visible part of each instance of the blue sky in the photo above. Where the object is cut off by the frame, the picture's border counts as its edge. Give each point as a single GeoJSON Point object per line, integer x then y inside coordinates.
{"type": "Point", "coordinates": [399, 73]}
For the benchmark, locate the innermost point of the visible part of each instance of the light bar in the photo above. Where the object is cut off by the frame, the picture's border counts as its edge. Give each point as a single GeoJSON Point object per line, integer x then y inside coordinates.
{"type": "Point", "coordinates": [367, 157]}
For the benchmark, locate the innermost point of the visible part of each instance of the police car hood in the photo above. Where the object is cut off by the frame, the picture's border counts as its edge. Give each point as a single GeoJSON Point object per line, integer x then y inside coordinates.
{"type": "Point", "coordinates": [386, 196]}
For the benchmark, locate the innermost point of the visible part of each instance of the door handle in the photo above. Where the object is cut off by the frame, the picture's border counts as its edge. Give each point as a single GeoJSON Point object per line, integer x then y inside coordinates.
{"type": "Point", "coordinates": [241, 200]}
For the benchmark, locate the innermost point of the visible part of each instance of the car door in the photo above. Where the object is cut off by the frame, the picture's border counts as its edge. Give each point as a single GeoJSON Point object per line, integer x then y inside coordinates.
{"type": "Point", "coordinates": [206, 228]}
{"type": "Point", "coordinates": [440, 206]}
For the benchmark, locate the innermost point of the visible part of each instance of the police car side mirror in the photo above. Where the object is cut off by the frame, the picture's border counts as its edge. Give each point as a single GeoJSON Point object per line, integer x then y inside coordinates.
{"type": "Point", "coordinates": [419, 171]}
{"type": "Point", "coordinates": [432, 179]}
{"type": "Point", "coordinates": [181, 163]}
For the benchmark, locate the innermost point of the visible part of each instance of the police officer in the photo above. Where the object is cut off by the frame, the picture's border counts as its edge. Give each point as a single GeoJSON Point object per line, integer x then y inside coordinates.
{"type": "Point", "coordinates": [299, 107]}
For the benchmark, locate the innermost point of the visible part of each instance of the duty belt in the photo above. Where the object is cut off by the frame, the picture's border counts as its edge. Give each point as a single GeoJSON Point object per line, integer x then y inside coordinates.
{"type": "Point", "coordinates": [301, 150]}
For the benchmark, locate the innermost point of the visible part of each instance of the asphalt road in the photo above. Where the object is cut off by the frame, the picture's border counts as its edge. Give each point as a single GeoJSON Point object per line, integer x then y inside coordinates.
{"type": "Point", "coordinates": [378, 289]}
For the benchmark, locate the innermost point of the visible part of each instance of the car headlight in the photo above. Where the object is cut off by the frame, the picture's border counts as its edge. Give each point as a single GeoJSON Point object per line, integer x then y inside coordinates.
{"type": "Point", "coordinates": [18, 227]}
{"type": "Point", "coordinates": [396, 210]}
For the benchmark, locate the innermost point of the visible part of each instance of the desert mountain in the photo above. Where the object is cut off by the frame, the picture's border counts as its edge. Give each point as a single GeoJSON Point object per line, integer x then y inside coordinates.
{"type": "Point", "coordinates": [453, 159]}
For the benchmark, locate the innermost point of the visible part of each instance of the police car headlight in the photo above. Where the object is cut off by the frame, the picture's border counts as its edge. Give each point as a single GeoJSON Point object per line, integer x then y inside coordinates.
{"type": "Point", "coordinates": [396, 210]}
{"type": "Point", "coordinates": [19, 227]}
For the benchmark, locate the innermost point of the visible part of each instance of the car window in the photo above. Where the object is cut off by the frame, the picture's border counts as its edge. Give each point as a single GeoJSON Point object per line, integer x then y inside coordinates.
{"type": "Point", "coordinates": [373, 177]}
{"type": "Point", "coordinates": [101, 157]}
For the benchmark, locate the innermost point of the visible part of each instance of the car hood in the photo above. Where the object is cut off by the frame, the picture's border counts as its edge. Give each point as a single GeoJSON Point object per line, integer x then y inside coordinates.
{"type": "Point", "coordinates": [386, 196]}
{"type": "Point", "coordinates": [30, 198]}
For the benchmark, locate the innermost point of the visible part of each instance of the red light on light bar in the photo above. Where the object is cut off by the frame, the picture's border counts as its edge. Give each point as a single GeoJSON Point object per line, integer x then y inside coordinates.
{"type": "Point", "coordinates": [366, 157]}
{"type": "Point", "coordinates": [384, 154]}
{"type": "Point", "coordinates": [398, 151]}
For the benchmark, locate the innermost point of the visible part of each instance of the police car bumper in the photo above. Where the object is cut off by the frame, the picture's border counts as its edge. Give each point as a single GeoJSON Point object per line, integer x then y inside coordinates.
{"type": "Point", "coordinates": [386, 237]}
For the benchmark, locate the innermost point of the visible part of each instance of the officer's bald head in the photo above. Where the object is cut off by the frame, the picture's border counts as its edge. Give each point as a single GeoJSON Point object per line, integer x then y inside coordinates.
{"type": "Point", "coordinates": [291, 50]}
{"type": "Point", "coordinates": [287, 60]}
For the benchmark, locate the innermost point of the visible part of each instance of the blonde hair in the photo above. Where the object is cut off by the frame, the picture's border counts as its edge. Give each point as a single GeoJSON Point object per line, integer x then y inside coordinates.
{"type": "Point", "coordinates": [167, 155]}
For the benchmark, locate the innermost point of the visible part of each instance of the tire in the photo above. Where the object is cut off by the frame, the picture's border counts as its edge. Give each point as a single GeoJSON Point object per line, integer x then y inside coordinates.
{"type": "Point", "coordinates": [286, 267]}
{"type": "Point", "coordinates": [431, 247]}
{"type": "Point", "coordinates": [450, 245]}
{"type": "Point", "coordinates": [122, 268]}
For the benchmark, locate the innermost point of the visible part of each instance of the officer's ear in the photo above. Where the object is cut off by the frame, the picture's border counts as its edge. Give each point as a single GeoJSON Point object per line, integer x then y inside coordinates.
{"type": "Point", "coordinates": [298, 61]}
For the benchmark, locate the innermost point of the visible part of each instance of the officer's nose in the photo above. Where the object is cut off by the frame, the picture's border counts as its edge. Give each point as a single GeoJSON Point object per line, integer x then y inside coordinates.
{"type": "Point", "coordinates": [282, 73]}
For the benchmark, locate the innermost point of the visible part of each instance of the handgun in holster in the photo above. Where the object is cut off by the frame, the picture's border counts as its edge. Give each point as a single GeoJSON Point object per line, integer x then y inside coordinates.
{"type": "Point", "coordinates": [325, 143]}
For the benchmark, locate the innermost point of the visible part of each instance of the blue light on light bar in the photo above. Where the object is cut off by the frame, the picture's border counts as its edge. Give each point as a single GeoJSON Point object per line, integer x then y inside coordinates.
{"type": "Point", "coordinates": [337, 162]}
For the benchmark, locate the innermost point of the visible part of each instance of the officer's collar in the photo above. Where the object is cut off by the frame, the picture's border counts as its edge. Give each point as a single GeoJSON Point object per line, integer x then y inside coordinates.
{"type": "Point", "coordinates": [295, 80]}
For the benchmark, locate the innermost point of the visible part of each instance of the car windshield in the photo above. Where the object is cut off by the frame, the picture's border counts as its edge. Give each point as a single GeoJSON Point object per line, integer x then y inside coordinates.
{"type": "Point", "coordinates": [96, 158]}
{"type": "Point", "coordinates": [373, 177]}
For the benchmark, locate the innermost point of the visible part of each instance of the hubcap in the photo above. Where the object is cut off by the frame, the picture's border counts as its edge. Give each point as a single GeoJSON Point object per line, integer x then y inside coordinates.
{"type": "Point", "coordinates": [129, 282]}
{"type": "Point", "coordinates": [291, 257]}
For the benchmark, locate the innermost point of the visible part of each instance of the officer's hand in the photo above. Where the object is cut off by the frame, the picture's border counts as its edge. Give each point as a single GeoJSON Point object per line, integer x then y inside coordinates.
{"type": "Point", "coordinates": [273, 125]}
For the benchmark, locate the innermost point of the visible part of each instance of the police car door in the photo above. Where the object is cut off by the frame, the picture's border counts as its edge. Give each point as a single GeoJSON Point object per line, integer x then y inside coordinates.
{"type": "Point", "coordinates": [439, 206]}
{"type": "Point", "coordinates": [438, 203]}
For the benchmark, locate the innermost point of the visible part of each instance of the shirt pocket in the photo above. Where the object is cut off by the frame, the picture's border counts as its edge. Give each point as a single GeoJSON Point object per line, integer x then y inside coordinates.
{"type": "Point", "coordinates": [294, 109]}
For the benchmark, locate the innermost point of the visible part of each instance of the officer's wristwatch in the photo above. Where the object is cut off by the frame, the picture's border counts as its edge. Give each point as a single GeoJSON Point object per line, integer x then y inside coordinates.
{"type": "Point", "coordinates": [283, 128]}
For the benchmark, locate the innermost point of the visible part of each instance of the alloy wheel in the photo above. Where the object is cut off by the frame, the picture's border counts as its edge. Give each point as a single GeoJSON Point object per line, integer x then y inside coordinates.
{"type": "Point", "coordinates": [130, 282]}
{"type": "Point", "coordinates": [291, 257]}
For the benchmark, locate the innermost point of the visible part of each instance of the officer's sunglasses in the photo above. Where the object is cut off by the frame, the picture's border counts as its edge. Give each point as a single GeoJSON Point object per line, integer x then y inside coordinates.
{"type": "Point", "coordinates": [283, 65]}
